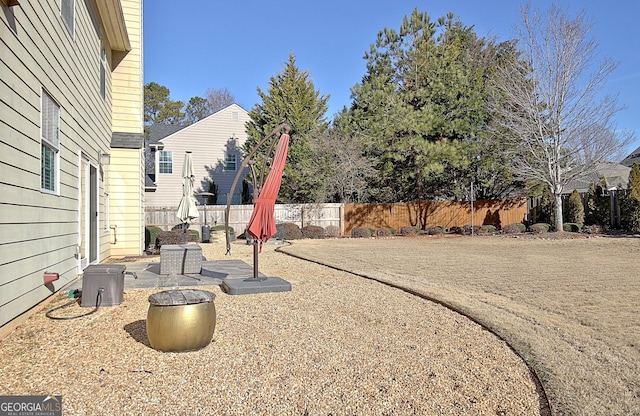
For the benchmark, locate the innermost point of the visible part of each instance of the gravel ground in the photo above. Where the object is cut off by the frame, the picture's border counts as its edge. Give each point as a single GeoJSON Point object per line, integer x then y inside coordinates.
{"type": "Point", "coordinates": [336, 344]}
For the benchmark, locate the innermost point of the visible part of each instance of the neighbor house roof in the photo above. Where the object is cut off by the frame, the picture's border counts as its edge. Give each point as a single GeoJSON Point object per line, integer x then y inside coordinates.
{"type": "Point", "coordinates": [615, 174]}
{"type": "Point", "coordinates": [159, 131]}
{"type": "Point", "coordinates": [634, 157]}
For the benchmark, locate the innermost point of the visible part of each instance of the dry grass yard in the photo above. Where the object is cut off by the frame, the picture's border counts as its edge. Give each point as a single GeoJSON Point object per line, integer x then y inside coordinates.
{"type": "Point", "coordinates": [570, 307]}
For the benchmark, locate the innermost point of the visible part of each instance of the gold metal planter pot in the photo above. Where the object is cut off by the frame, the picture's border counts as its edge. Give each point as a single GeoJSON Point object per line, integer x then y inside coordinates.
{"type": "Point", "coordinates": [181, 320]}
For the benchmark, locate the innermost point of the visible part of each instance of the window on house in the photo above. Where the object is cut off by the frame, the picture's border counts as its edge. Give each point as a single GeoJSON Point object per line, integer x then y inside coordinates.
{"type": "Point", "coordinates": [67, 9]}
{"type": "Point", "coordinates": [230, 161]}
{"type": "Point", "coordinates": [50, 143]}
{"type": "Point", "coordinates": [234, 115]}
{"type": "Point", "coordinates": [103, 73]}
{"type": "Point", "coordinates": [165, 161]}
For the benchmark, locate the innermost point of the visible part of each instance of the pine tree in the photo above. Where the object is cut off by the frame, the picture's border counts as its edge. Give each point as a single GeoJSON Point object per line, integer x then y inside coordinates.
{"type": "Point", "coordinates": [291, 98]}
{"type": "Point", "coordinates": [597, 205]}
{"type": "Point", "coordinates": [575, 209]}
{"type": "Point", "coordinates": [631, 201]}
{"type": "Point", "coordinates": [421, 112]}
{"type": "Point", "coordinates": [547, 210]}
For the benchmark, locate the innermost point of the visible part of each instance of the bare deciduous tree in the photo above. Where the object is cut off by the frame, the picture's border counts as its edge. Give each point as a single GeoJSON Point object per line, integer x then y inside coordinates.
{"type": "Point", "coordinates": [346, 171]}
{"type": "Point", "coordinates": [219, 98]}
{"type": "Point", "coordinates": [563, 124]}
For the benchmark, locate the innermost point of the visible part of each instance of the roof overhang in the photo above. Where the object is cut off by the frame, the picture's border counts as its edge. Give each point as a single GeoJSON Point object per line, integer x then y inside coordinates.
{"type": "Point", "coordinates": [114, 25]}
{"type": "Point", "coordinates": [10, 3]}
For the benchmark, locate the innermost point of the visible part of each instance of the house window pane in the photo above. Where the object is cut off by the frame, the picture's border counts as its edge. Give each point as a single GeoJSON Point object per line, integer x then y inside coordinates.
{"type": "Point", "coordinates": [230, 162]}
{"type": "Point", "coordinates": [165, 162]}
{"type": "Point", "coordinates": [48, 169]}
{"type": "Point", "coordinates": [67, 10]}
{"type": "Point", "coordinates": [50, 143]}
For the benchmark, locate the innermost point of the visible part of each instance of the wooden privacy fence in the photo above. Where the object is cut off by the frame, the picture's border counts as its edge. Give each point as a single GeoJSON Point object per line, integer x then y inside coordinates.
{"type": "Point", "coordinates": [423, 214]}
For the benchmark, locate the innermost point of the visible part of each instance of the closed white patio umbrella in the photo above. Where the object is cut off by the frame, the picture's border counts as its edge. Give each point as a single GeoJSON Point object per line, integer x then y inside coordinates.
{"type": "Point", "coordinates": [187, 209]}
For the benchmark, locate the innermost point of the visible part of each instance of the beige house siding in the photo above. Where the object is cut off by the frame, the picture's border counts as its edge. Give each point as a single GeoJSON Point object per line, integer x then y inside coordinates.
{"type": "Point", "coordinates": [126, 171]}
{"type": "Point", "coordinates": [40, 230]}
{"type": "Point", "coordinates": [208, 140]}
{"type": "Point", "coordinates": [128, 110]}
{"type": "Point", "coordinates": [126, 200]}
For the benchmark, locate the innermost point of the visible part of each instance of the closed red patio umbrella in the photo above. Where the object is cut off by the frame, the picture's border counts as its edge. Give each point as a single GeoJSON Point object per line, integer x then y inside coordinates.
{"type": "Point", "coordinates": [262, 225]}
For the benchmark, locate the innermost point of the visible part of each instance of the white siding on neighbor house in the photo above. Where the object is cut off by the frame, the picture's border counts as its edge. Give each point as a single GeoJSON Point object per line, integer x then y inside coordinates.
{"type": "Point", "coordinates": [39, 231]}
{"type": "Point", "coordinates": [208, 140]}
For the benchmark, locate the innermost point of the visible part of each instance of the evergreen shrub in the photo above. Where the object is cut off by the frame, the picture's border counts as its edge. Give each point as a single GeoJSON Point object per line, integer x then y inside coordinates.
{"type": "Point", "coordinates": [575, 209]}
{"type": "Point", "coordinates": [361, 232]}
{"type": "Point", "coordinates": [409, 230]}
{"type": "Point", "coordinates": [150, 235]}
{"type": "Point", "coordinates": [512, 228]}
{"type": "Point", "coordinates": [487, 229]}
{"type": "Point", "coordinates": [312, 231]}
{"type": "Point", "coordinates": [169, 237]}
{"type": "Point", "coordinates": [291, 231]}
{"type": "Point", "coordinates": [435, 230]}
{"type": "Point", "coordinates": [571, 227]}
{"type": "Point", "coordinates": [332, 231]}
{"type": "Point", "coordinates": [539, 228]}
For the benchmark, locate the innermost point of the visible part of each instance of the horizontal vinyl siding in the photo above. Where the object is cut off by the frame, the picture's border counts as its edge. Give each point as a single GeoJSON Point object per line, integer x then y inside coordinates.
{"type": "Point", "coordinates": [126, 202]}
{"type": "Point", "coordinates": [127, 77]}
{"type": "Point", "coordinates": [207, 141]}
{"type": "Point", "coordinates": [38, 231]}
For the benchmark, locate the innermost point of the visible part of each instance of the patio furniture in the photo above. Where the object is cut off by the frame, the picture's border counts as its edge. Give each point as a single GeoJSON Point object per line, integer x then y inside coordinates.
{"type": "Point", "coordinates": [180, 259]}
{"type": "Point", "coordinates": [181, 320]}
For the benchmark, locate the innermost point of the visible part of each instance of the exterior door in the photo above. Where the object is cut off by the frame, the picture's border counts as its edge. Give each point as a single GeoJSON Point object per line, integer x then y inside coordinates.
{"type": "Point", "coordinates": [88, 220]}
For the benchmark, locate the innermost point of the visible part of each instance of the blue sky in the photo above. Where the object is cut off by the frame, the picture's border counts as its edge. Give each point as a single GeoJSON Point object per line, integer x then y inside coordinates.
{"type": "Point", "coordinates": [192, 45]}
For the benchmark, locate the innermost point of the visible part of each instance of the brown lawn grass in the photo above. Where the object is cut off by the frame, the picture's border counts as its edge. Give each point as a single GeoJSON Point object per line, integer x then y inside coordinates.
{"type": "Point", "coordinates": [570, 307]}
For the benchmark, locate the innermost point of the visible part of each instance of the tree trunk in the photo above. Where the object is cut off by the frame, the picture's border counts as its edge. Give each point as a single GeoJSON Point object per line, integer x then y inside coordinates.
{"type": "Point", "coordinates": [558, 211]}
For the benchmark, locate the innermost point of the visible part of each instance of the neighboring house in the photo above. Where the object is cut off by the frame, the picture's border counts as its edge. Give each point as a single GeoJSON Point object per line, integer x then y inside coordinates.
{"type": "Point", "coordinates": [71, 134]}
{"type": "Point", "coordinates": [215, 143]}
{"type": "Point", "coordinates": [156, 133]}
{"type": "Point", "coordinates": [616, 176]}
{"type": "Point", "coordinates": [634, 157]}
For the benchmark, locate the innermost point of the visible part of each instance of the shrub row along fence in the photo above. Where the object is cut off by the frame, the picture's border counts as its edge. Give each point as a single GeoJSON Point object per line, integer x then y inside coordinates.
{"type": "Point", "coordinates": [420, 214]}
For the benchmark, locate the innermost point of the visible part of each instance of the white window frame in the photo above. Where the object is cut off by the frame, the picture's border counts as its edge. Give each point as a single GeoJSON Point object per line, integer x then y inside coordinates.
{"type": "Point", "coordinates": [228, 162]}
{"type": "Point", "coordinates": [50, 140]}
{"type": "Point", "coordinates": [168, 163]}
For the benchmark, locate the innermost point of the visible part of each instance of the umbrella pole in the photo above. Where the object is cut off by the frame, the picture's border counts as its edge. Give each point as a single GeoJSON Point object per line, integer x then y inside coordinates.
{"type": "Point", "coordinates": [255, 258]}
